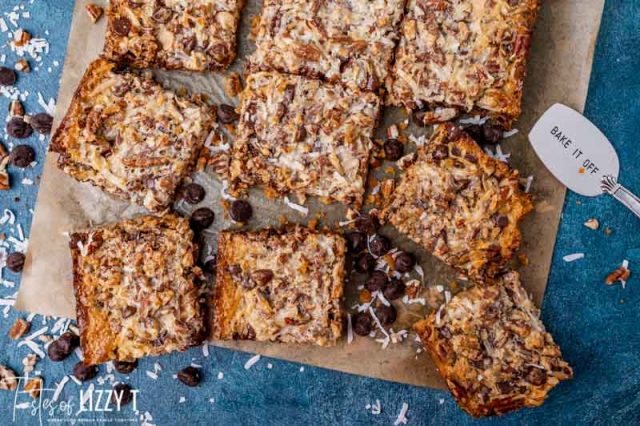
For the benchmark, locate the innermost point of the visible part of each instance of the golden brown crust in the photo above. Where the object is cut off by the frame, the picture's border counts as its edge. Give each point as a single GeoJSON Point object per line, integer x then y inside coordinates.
{"type": "Point", "coordinates": [129, 136]}
{"type": "Point", "coordinates": [195, 35]}
{"type": "Point", "coordinates": [135, 289]}
{"type": "Point", "coordinates": [460, 56]}
{"type": "Point", "coordinates": [460, 204]}
{"type": "Point", "coordinates": [492, 349]}
{"type": "Point", "coordinates": [303, 136]}
{"type": "Point", "coordinates": [341, 41]}
{"type": "Point", "coordinates": [282, 286]}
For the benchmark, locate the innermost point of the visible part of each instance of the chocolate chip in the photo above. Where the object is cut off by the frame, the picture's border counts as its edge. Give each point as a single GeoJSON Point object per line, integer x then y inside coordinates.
{"type": "Point", "coordinates": [125, 367]}
{"type": "Point", "coordinates": [475, 131]}
{"type": "Point", "coordinates": [262, 276]}
{"type": "Point", "coordinates": [42, 123]}
{"type": "Point", "coordinates": [501, 220]}
{"type": "Point", "coordinates": [394, 290]}
{"type": "Point", "coordinates": [364, 263]}
{"type": "Point", "coordinates": [357, 241]}
{"type": "Point", "coordinates": [190, 376]}
{"type": "Point", "coordinates": [376, 281]}
{"type": "Point", "coordinates": [386, 314]}
{"type": "Point", "coordinates": [56, 352]}
{"type": "Point", "coordinates": [393, 149]}
{"type": "Point", "coordinates": [18, 128]}
{"type": "Point", "coordinates": [210, 265]}
{"type": "Point", "coordinates": [536, 376]}
{"type": "Point", "coordinates": [227, 114]}
{"type": "Point", "coordinates": [8, 76]}
{"type": "Point", "coordinates": [121, 392]}
{"type": "Point", "coordinates": [361, 324]}
{"type": "Point", "coordinates": [491, 134]}
{"type": "Point", "coordinates": [379, 245]}
{"type": "Point", "coordinates": [22, 156]}
{"type": "Point", "coordinates": [15, 261]}
{"type": "Point", "coordinates": [201, 218]}
{"type": "Point", "coordinates": [129, 311]}
{"type": "Point", "coordinates": [471, 158]}
{"type": "Point", "coordinates": [193, 193]}
{"type": "Point", "coordinates": [62, 347]}
{"type": "Point", "coordinates": [404, 262]}
{"type": "Point", "coordinates": [85, 372]}
{"type": "Point", "coordinates": [122, 26]}
{"type": "Point", "coordinates": [367, 224]}
{"type": "Point", "coordinates": [440, 153]}
{"type": "Point", "coordinates": [241, 211]}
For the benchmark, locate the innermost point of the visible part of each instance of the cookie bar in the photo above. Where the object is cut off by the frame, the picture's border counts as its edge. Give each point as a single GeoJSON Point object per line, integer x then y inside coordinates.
{"type": "Point", "coordinates": [135, 289]}
{"type": "Point", "coordinates": [460, 204]}
{"type": "Point", "coordinates": [463, 56]}
{"type": "Point", "coordinates": [131, 137]}
{"type": "Point", "coordinates": [303, 136]}
{"type": "Point", "coordinates": [492, 349]}
{"type": "Point", "coordinates": [348, 41]}
{"type": "Point", "coordinates": [279, 286]}
{"type": "Point", "coordinates": [194, 35]}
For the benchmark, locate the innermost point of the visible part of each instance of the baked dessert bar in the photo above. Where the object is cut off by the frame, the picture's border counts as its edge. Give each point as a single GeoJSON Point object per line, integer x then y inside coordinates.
{"type": "Point", "coordinates": [348, 41]}
{"type": "Point", "coordinates": [463, 56]}
{"type": "Point", "coordinates": [194, 35]}
{"type": "Point", "coordinates": [135, 287]}
{"type": "Point", "coordinates": [131, 137]}
{"type": "Point", "coordinates": [460, 204]}
{"type": "Point", "coordinates": [492, 349]}
{"type": "Point", "coordinates": [303, 136]}
{"type": "Point", "coordinates": [282, 286]}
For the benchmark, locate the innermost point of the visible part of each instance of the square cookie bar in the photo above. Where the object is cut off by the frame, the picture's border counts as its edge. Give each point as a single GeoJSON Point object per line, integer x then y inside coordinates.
{"type": "Point", "coordinates": [463, 56]}
{"type": "Point", "coordinates": [492, 349]}
{"type": "Point", "coordinates": [347, 41]}
{"type": "Point", "coordinates": [460, 204]}
{"type": "Point", "coordinates": [131, 137]}
{"type": "Point", "coordinates": [135, 289]}
{"type": "Point", "coordinates": [193, 35]}
{"type": "Point", "coordinates": [303, 136]}
{"type": "Point", "coordinates": [279, 286]}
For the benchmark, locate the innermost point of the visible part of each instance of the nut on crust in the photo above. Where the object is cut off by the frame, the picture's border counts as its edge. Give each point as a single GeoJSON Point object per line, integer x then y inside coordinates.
{"type": "Point", "coordinates": [340, 41]}
{"type": "Point", "coordinates": [279, 286]}
{"type": "Point", "coordinates": [131, 137]}
{"type": "Point", "coordinates": [135, 289]}
{"type": "Point", "coordinates": [460, 204]}
{"type": "Point", "coordinates": [303, 136]}
{"type": "Point", "coordinates": [492, 349]}
{"type": "Point", "coordinates": [193, 35]}
{"type": "Point", "coordinates": [461, 56]}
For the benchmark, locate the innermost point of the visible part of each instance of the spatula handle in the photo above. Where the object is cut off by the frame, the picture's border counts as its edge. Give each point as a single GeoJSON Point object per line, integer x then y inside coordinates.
{"type": "Point", "coordinates": [622, 194]}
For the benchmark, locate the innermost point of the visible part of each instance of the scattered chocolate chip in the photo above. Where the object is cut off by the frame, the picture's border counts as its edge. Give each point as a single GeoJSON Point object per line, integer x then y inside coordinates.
{"type": "Point", "coordinates": [193, 193]}
{"type": "Point", "coordinates": [367, 224]}
{"type": "Point", "coordinates": [227, 114]}
{"type": "Point", "coordinates": [62, 347]}
{"type": "Point", "coordinates": [121, 392]}
{"type": "Point", "coordinates": [22, 156]}
{"type": "Point", "coordinates": [56, 351]}
{"type": "Point", "coordinates": [201, 218]}
{"type": "Point", "coordinates": [85, 372]}
{"type": "Point", "coordinates": [125, 367]}
{"type": "Point", "coordinates": [471, 158]}
{"type": "Point", "coordinates": [440, 153]}
{"type": "Point", "coordinates": [404, 262]}
{"type": "Point", "coordinates": [394, 290]}
{"type": "Point", "coordinates": [501, 220]}
{"type": "Point", "coordinates": [386, 314]}
{"type": "Point", "coordinates": [241, 211]}
{"type": "Point", "coordinates": [536, 376]}
{"type": "Point", "coordinates": [42, 123]}
{"type": "Point", "coordinates": [129, 311]}
{"type": "Point", "coordinates": [364, 263]}
{"type": "Point", "coordinates": [491, 134]}
{"type": "Point", "coordinates": [379, 245]}
{"type": "Point", "coordinates": [190, 376]}
{"type": "Point", "coordinates": [393, 149]}
{"type": "Point", "coordinates": [15, 261]}
{"type": "Point", "coordinates": [8, 76]}
{"type": "Point", "coordinates": [357, 242]}
{"type": "Point", "coordinates": [361, 324]}
{"type": "Point", "coordinates": [262, 276]}
{"type": "Point", "coordinates": [18, 128]}
{"type": "Point", "coordinates": [376, 281]}
{"type": "Point", "coordinates": [210, 265]}
{"type": "Point", "coordinates": [122, 26]}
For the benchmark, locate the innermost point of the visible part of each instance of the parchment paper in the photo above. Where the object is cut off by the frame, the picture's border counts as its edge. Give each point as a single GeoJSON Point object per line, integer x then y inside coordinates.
{"type": "Point", "coordinates": [559, 70]}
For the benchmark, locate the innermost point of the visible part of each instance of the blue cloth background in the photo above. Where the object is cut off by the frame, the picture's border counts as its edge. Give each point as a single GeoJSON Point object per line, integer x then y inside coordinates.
{"type": "Point", "coordinates": [596, 325]}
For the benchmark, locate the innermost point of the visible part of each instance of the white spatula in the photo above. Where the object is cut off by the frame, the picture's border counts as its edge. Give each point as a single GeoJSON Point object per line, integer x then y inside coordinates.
{"type": "Point", "coordinates": [579, 155]}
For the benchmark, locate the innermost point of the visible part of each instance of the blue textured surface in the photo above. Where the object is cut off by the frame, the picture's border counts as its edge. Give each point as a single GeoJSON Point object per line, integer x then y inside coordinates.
{"type": "Point", "coordinates": [595, 325]}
